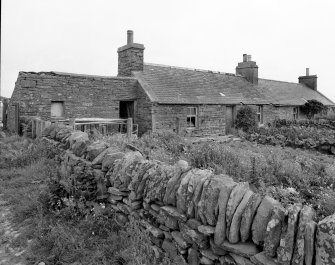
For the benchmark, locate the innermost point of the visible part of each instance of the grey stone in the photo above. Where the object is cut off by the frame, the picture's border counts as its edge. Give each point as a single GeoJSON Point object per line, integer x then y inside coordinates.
{"type": "Point", "coordinates": [262, 219]}
{"type": "Point", "coordinates": [235, 198]}
{"type": "Point", "coordinates": [182, 243]}
{"type": "Point", "coordinates": [310, 242]}
{"type": "Point", "coordinates": [273, 230]}
{"type": "Point", "coordinates": [287, 239]}
{"type": "Point", "coordinates": [306, 215]}
{"type": "Point", "coordinates": [206, 229]}
{"type": "Point", "coordinates": [248, 216]}
{"type": "Point", "coordinates": [193, 257]}
{"type": "Point", "coordinates": [239, 260]}
{"type": "Point", "coordinates": [220, 228]}
{"type": "Point", "coordinates": [94, 149]}
{"type": "Point", "coordinates": [262, 259]}
{"type": "Point", "coordinates": [243, 249]}
{"type": "Point", "coordinates": [173, 212]}
{"type": "Point", "coordinates": [193, 236]}
{"type": "Point", "coordinates": [234, 232]}
{"type": "Point", "coordinates": [217, 250]}
{"type": "Point", "coordinates": [325, 241]}
{"type": "Point", "coordinates": [227, 260]}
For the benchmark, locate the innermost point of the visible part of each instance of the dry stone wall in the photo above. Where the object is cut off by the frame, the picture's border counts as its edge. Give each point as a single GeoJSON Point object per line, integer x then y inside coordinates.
{"type": "Point", "coordinates": [206, 218]}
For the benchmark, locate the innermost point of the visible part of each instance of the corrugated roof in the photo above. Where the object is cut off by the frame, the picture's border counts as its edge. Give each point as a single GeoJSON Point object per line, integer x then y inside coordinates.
{"type": "Point", "coordinates": [172, 85]}
{"type": "Point", "coordinates": [175, 85]}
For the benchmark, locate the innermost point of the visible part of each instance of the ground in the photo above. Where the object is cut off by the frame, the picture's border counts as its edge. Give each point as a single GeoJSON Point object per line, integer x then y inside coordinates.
{"type": "Point", "coordinates": [8, 233]}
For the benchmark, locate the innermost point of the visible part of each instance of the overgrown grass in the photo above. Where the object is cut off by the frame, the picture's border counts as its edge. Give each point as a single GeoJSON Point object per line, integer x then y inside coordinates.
{"type": "Point", "coordinates": [63, 235]}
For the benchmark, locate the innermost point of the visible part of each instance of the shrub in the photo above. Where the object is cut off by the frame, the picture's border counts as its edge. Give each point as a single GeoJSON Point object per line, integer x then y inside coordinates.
{"type": "Point", "coordinates": [246, 119]}
{"type": "Point", "coordinates": [312, 107]}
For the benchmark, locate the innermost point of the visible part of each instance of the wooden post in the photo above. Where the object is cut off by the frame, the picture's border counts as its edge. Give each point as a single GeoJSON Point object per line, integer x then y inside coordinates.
{"type": "Point", "coordinates": [17, 118]}
{"type": "Point", "coordinates": [129, 127]}
{"type": "Point", "coordinates": [4, 113]}
{"type": "Point", "coordinates": [32, 128]}
{"type": "Point", "coordinates": [177, 125]}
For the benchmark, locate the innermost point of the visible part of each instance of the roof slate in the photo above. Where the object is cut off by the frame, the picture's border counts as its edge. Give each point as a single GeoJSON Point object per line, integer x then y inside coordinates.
{"type": "Point", "coordinates": [286, 93]}
{"type": "Point", "coordinates": [173, 85]}
{"type": "Point", "coordinates": [170, 85]}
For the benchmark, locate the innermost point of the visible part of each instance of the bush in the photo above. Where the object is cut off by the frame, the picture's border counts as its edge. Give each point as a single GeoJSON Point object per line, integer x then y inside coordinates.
{"type": "Point", "coordinates": [246, 119]}
{"type": "Point", "coordinates": [312, 107]}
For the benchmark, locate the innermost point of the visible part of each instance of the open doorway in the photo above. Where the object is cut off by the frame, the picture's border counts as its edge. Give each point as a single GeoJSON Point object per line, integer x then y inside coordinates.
{"type": "Point", "coordinates": [126, 109]}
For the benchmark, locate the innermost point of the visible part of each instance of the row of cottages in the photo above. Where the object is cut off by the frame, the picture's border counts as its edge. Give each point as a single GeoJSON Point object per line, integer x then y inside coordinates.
{"type": "Point", "coordinates": [162, 97]}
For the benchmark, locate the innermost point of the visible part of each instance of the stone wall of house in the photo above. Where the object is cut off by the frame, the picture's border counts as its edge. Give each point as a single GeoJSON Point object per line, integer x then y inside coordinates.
{"type": "Point", "coordinates": [83, 96]}
{"type": "Point", "coordinates": [210, 118]}
{"type": "Point", "coordinates": [203, 217]}
{"type": "Point", "coordinates": [143, 111]}
{"type": "Point", "coordinates": [270, 112]}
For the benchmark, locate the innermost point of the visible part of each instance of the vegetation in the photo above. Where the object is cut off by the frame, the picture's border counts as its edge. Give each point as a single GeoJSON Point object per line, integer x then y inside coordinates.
{"type": "Point", "coordinates": [63, 233]}
{"type": "Point", "coordinates": [312, 107]}
{"type": "Point", "coordinates": [246, 119]}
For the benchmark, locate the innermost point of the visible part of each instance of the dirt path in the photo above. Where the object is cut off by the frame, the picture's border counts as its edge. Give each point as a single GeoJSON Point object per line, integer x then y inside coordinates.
{"type": "Point", "coordinates": [8, 255]}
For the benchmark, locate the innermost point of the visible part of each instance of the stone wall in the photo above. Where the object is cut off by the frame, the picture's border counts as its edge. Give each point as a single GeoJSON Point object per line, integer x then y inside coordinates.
{"type": "Point", "coordinates": [206, 218]}
{"type": "Point", "coordinates": [83, 96]}
{"type": "Point", "coordinates": [210, 118]}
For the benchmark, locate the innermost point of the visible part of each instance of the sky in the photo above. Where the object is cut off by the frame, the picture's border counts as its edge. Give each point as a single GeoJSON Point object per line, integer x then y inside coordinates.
{"type": "Point", "coordinates": [284, 37]}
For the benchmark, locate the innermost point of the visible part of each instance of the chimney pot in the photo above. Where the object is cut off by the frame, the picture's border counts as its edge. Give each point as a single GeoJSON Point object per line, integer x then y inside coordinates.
{"type": "Point", "coordinates": [245, 57]}
{"type": "Point", "coordinates": [307, 71]}
{"type": "Point", "coordinates": [249, 58]}
{"type": "Point", "coordinates": [130, 36]}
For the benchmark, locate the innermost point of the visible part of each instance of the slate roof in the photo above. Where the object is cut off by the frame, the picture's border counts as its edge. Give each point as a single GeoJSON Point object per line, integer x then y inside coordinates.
{"type": "Point", "coordinates": [286, 93]}
{"type": "Point", "coordinates": [174, 85]}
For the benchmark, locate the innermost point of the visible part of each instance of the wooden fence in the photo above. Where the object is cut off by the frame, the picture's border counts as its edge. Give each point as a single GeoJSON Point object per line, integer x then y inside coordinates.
{"type": "Point", "coordinates": [37, 127]}
{"type": "Point", "coordinates": [103, 126]}
{"type": "Point", "coordinates": [106, 126]}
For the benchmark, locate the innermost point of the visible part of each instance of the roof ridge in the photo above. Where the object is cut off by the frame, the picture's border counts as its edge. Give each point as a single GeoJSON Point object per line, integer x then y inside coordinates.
{"type": "Point", "coordinates": [75, 75]}
{"type": "Point", "coordinates": [191, 69]}
{"type": "Point", "coordinates": [266, 79]}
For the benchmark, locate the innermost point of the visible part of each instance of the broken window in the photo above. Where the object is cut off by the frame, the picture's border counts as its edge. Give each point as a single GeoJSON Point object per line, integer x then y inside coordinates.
{"type": "Point", "coordinates": [260, 114]}
{"type": "Point", "coordinates": [57, 109]}
{"type": "Point", "coordinates": [295, 113]}
{"type": "Point", "coordinates": [191, 117]}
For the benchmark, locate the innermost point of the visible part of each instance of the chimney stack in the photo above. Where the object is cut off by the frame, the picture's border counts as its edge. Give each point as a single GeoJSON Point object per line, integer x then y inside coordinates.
{"type": "Point", "coordinates": [130, 56]}
{"type": "Point", "coordinates": [130, 37]}
{"type": "Point", "coordinates": [309, 80]}
{"type": "Point", "coordinates": [248, 69]}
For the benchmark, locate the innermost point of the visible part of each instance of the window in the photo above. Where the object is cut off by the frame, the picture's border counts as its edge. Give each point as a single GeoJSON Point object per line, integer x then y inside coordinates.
{"type": "Point", "coordinates": [260, 114]}
{"type": "Point", "coordinates": [295, 113]}
{"type": "Point", "coordinates": [57, 109]}
{"type": "Point", "coordinates": [191, 117]}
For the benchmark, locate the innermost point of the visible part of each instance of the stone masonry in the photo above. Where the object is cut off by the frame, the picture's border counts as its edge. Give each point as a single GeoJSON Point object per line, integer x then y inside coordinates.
{"type": "Point", "coordinates": [193, 212]}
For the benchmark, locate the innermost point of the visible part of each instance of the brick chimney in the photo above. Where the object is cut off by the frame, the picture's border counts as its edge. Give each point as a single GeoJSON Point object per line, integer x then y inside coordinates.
{"type": "Point", "coordinates": [130, 56]}
{"type": "Point", "coordinates": [248, 69]}
{"type": "Point", "coordinates": [309, 80]}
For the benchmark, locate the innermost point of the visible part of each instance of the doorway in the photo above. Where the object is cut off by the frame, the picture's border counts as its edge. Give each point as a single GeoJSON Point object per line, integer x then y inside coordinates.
{"type": "Point", "coordinates": [230, 118]}
{"type": "Point", "coordinates": [126, 109]}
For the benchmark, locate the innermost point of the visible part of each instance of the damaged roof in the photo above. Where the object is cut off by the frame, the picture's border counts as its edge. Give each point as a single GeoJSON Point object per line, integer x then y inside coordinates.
{"type": "Point", "coordinates": [174, 85]}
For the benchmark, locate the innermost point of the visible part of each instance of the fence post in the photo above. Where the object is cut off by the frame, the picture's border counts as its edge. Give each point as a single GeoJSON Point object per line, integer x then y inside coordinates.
{"type": "Point", "coordinates": [32, 128]}
{"type": "Point", "coordinates": [17, 118]}
{"type": "Point", "coordinates": [4, 113]}
{"type": "Point", "coordinates": [129, 127]}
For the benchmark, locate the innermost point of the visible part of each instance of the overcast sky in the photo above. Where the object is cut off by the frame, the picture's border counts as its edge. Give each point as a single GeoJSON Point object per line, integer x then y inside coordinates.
{"type": "Point", "coordinates": [82, 36]}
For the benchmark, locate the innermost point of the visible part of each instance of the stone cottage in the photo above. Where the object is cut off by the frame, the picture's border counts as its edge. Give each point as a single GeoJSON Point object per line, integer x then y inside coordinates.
{"type": "Point", "coordinates": [162, 97]}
